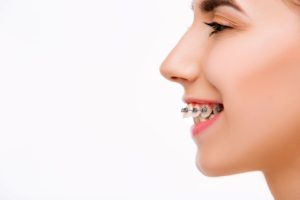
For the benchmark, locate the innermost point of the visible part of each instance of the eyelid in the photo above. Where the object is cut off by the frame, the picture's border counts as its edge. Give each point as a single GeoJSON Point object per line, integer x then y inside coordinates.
{"type": "Point", "coordinates": [224, 21]}
{"type": "Point", "coordinates": [231, 20]}
{"type": "Point", "coordinates": [230, 23]}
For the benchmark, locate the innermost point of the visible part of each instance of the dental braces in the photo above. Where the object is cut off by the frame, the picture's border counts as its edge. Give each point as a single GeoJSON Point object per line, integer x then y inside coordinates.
{"type": "Point", "coordinates": [204, 109]}
{"type": "Point", "coordinates": [194, 110]}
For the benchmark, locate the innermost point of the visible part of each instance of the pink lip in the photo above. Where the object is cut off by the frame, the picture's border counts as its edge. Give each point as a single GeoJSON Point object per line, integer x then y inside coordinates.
{"type": "Point", "coordinates": [200, 127]}
{"type": "Point", "coordinates": [199, 101]}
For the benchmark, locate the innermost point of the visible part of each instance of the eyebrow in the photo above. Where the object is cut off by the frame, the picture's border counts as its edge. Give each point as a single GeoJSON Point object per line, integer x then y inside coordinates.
{"type": "Point", "coordinates": [210, 5]}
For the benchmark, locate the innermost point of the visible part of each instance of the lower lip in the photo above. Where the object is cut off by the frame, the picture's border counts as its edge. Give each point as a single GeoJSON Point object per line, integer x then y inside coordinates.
{"type": "Point", "coordinates": [200, 127]}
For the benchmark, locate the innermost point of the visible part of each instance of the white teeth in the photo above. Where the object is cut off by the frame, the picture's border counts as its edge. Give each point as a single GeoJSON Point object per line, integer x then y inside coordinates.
{"type": "Point", "coordinates": [196, 111]}
{"type": "Point", "coordinates": [203, 120]}
{"type": "Point", "coordinates": [186, 114]}
{"type": "Point", "coordinates": [201, 113]}
{"type": "Point", "coordinates": [205, 111]}
{"type": "Point", "coordinates": [211, 116]}
{"type": "Point", "coordinates": [189, 112]}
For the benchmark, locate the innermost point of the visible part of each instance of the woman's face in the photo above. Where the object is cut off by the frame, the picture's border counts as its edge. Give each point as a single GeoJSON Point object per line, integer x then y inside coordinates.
{"type": "Point", "coordinates": [253, 68]}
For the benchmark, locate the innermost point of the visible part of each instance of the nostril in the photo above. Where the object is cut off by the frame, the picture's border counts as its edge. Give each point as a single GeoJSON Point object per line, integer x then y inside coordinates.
{"type": "Point", "coordinates": [177, 79]}
{"type": "Point", "coordinates": [173, 78]}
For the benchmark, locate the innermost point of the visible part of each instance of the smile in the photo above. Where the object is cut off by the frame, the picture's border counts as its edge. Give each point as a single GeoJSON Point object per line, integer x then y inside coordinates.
{"type": "Point", "coordinates": [203, 115]}
{"type": "Point", "coordinates": [202, 112]}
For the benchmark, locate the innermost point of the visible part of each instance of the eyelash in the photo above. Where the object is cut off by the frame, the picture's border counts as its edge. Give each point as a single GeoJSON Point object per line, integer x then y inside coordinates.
{"type": "Point", "coordinates": [217, 27]}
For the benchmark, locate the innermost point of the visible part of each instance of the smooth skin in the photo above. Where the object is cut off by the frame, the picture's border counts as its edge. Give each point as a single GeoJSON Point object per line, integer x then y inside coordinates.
{"type": "Point", "coordinates": [253, 68]}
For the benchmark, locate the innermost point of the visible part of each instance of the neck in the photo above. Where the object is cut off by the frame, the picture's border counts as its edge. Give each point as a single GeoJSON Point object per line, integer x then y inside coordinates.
{"type": "Point", "coordinates": [284, 181]}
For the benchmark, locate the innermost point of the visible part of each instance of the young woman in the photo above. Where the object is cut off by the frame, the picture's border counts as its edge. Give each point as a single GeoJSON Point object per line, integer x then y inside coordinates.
{"type": "Point", "coordinates": [239, 64]}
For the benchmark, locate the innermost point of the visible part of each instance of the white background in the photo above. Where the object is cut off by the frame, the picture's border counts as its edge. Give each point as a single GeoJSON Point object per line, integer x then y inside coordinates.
{"type": "Point", "coordinates": [84, 112]}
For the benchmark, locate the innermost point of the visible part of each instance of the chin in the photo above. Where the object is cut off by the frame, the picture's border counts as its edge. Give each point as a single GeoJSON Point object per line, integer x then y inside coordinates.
{"type": "Point", "coordinates": [216, 168]}
{"type": "Point", "coordinates": [209, 167]}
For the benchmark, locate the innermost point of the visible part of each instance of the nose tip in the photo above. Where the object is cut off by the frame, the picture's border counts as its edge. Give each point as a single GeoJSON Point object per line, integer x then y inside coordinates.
{"type": "Point", "coordinates": [182, 64]}
{"type": "Point", "coordinates": [179, 67]}
{"type": "Point", "coordinates": [166, 71]}
{"type": "Point", "coordinates": [171, 72]}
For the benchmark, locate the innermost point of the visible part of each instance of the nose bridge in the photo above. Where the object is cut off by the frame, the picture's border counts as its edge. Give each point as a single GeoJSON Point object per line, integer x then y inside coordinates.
{"type": "Point", "coordinates": [184, 62]}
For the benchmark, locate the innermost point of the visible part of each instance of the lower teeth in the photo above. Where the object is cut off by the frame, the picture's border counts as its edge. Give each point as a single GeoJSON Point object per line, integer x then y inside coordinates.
{"type": "Point", "coordinates": [200, 119]}
{"type": "Point", "coordinates": [211, 116]}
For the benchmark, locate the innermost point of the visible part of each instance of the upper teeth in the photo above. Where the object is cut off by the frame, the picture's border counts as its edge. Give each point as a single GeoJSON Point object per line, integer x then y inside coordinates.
{"type": "Point", "coordinates": [196, 111]}
{"type": "Point", "coordinates": [187, 111]}
{"type": "Point", "coordinates": [203, 111]}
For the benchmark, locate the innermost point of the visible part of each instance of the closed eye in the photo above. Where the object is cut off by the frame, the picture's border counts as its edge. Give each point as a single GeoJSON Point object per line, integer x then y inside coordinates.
{"type": "Point", "coordinates": [217, 27]}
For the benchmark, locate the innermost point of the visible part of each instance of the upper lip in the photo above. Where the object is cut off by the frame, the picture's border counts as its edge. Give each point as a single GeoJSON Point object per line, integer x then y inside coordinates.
{"type": "Point", "coordinates": [191, 100]}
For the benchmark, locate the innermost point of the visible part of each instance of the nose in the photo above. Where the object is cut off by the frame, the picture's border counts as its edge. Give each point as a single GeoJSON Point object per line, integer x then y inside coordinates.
{"type": "Point", "coordinates": [183, 64]}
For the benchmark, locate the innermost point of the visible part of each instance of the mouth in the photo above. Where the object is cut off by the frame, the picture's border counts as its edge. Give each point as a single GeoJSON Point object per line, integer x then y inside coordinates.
{"type": "Point", "coordinates": [203, 114]}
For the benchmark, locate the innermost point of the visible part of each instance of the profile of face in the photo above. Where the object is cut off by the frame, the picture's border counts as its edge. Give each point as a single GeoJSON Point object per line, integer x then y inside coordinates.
{"type": "Point", "coordinates": [244, 54]}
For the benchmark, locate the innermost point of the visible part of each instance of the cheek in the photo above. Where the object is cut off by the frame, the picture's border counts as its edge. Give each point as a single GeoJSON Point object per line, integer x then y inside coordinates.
{"type": "Point", "coordinates": [259, 81]}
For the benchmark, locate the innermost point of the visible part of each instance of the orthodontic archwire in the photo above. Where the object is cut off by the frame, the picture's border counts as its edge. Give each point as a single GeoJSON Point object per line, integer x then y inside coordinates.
{"type": "Point", "coordinates": [194, 110]}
